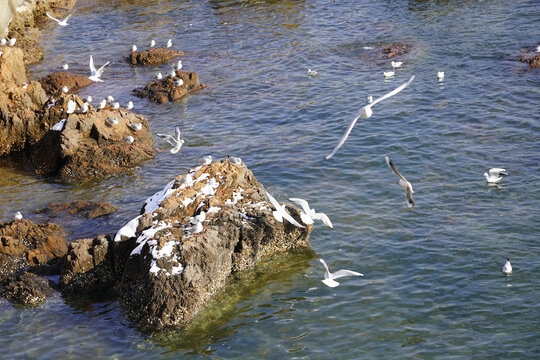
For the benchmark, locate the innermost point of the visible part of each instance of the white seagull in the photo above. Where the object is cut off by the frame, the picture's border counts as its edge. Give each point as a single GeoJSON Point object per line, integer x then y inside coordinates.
{"type": "Point", "coordinates": [159, 76]}
{"type": "Point", "coordinates": [329, 277]}
{"type": "Point", "coordinates": [61, 22]}
{"type": "Point", "coordinates": [65, 89]}
{"type": "Point", "coordinates": [112, 121]}
{"type": "Point", "coordinates": [312, 72]}
{"type": "Point", "coordinates": [59, 125]}
{"type": "Point", "coordinates": [135, 127]}
{"type": "Point", "coordinates": [197, 228]}
{"type": "Point", "coordinates": [403, 182]}
{"type": "Point", "coordinates": [366, 112]}
{"type": "Point", "coordinates": [169, 43]}
{"type": "Point", "coordinates": [84, 108]}
{"type": "Point", "coordinates": [116, 106]}
{"type": "Point", "coordinates": [369, 99]}
{"type": "Point", "coordinates": [129, 139]}
{"type": "Point", "coordinates": [3, 41]}
{"type": "Point", "coordinates": [207, 160]}
{"type": "Point", "coordinates": [309, 214]}
{"type": "Point", "coordinates": [440, 75]}
{"type": "Point", "coordinates": [12, 42]}
{"type": "Point", "coordinates": [494, 175]}
{"type": "Point", "coordinates": [179, 82]}
{"type": "Point", "coordinates": [110, 99]}
{"type": "Point", "coordinates": [129, 105]}
{"type": "Point", "coordinates": [234, 160]}
{"type": "Point", "coordinates": [133, 48]}
{"type": "Point", "coordinates": [102, 104]}
{"type": "Point", "coordinates": [96, 74]}
{"type": "Point", "coordinates": [396, 64]}
{"type": "Point", "coordinates": [179, 65]}
{"type": "Point", "coordinates": [72, 105]}
{"type": "Point", "coordinates": [18, 216]}
{"type": "Point", "coordinates": [65, 67]}
{"type": "Point", "coordinates": [152, 43]}
{"type": "Point", "coordinates": [388, 74]}
{"type": "Point", "coordinates": [280, 213]}
{"type": "Point", "coordinates": [507, 267]}
{"type": "Point", "coordinates": [88, 99]}
{"type": "Point", "coordinates": [176, 142]}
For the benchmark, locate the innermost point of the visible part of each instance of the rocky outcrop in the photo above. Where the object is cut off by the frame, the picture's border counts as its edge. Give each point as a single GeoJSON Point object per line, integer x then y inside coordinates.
{"type": "Point", "coordinates": [162, 91]}
{"type": "Point", "coordinates": [386, 51]}
{"type": "Point", "coordinates": [530, 56]}
{"type": "Point", "coordinates": [88, 145]}
{"type": "Point", "coordinates": [53, 83]}
{"type": "Point", "coordinates": [152, 57]}
{"type": "Point", "coordinates": [24, 244]}
{"type": "Point", "coordinates": [170, 268]}
{"type": "Point", "coordinates": [26, 289]}
{"type": "Point", "coordinates": [88, 209]}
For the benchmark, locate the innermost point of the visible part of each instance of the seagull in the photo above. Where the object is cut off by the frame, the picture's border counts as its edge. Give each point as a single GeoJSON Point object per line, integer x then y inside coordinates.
{"type": "Point", "coordinates": [173, 73]}
{"type": "Point", "coordinates": [494, 175]}
{"type": "Point", "coordinates": [369, 99]}
{"type": "Point", "coordinates": [507, 267]}
{"type": "Point", "coordinates": [18, 216]}
{"type": "Point", "coordinates": [59, 125]}
{"type": "Point", "coordinates": [116, 106]}
{"type": "Point", "coordinates": [133, 48]}
{"type": "Point", "coordinates": [88, 99]}
{"type": "Point", "coordinates": [234, 160]}
{"type": "Point", "coordinates": [84, 108]}
{"type": "Point", "coordinates": [71, 107]}
{"type": "Point", "coordinates": [152, 43]}
{"type": "Point", "coordinates": [179, 65]}
{"type": "Point", "coordinates": [102, 104]}
{"type": "Point", "coordinates": [65, 67]}
{"type": "Point", "coordinates": [96, 74]}
{"type": "Point", "coordinates": [129, 139]}
{"type": "Point", "coordinates": [366, 112]}
{"type": "Point", "coordinates": [389, 74]}
{"type": "Point", "coordinates": [61, 22]}
{"type": "Point", "coordinates": [440, 75]}
{"type": "Point", "coordinates": [312, 72]}
{"type": "Point", "coordinates": [197, 228]}
{"type": "Point", "coordinates": [198, 218]}
{"type": "Point", "coordinates": [3, 41]}
{"type": "Point", "coordinates": [112, 121]}
{"type": "Point", "coordinates": [110, 99]}
{"type": "Point", "coordinates": [169, 43]}
{"type": "Point", "coordinates": [12, 42]}
{"type": "Point", "coordinates": [65, 89]}
{"type": "Point", "coordinates": [129, 105]}
{"type": "Point", "coordinates": [280, 213]}
{"type": "Point", "coordinates": [176, 142]}
{"type": "Point", "coordinates": [310, 214]}
{"type": "Point", "coordinates": [179, 82]}
{"type": "Point", "coordinates": [135, 127]}
{"type": "Point", "coordinates": [159, 76]}
{"type": "Point", "coordinates": [396, 64]}
{"type": "Point", "coordinates": [329, 277]}
{"type": "Point", "coordinates": [402, 181]}
{"type": "Point", "coordinates": [207, 160]}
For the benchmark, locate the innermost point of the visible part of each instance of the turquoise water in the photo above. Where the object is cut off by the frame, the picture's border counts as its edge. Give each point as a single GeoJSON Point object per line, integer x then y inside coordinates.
{"type": "Point", "coordinates": [433, 286]}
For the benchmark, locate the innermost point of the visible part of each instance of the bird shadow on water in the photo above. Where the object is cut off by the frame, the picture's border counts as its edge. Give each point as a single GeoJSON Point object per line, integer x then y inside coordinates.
{"type": "Point", "coordinates": [215, 322]}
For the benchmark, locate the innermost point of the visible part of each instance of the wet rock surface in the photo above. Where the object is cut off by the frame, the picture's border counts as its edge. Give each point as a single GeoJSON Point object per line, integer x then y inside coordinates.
{"type": "Point", "coordinates": [88, 146]}
{"type": "Point", "coordinates": [53, 83]}
{"type": "Point", "coordinates": [530, 56]}
{"type": "Point", "coordinates": [155, 56]}
{"type": "Point", "coordinates": [387, 51]}
{"type": "Point", "coordinates": [162, 91]}
{"type": "Point", "coordinates": [26, 289]}
{"type": "Point", "coordinates": [88, 209]}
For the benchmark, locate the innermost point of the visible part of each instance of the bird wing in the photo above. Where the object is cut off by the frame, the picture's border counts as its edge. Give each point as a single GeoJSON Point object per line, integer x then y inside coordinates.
{"type": "Point", "coordinates": [330, 283]}
{"type": "Point", "coordinates": [306, 219]}
{"type": "Point", "coordinates": [393, 168]}
{"type": "Point", "coordinates": [342, 273]}
{"type": "Point", "coordinates": [168, 138]}
{"type": "Point", "coordinates": [327, 272]}
{"type": "Point", "coordinates": [55, 19]}
{"type": "Point", "coordinates": [281, 210]}
{"type": "Point", "coordinates": [393, 92]}
{"type": "Point", "coordinates": [67, 17]}
{"type": "Point", "coordinates": [303, 203]}
{"type": "Point", "coordinates": [177, 132]}
{"type": "Point", "coordinates": [345, 136]}
{"type": "Point", "coordinates": [408, 193]}
{"type": "Point", "coordinates": [102, 68]}
{"type": "Point", "coordinates": [497, 171]}
{"type": "Point", "coordinates": [290, 219]}
{"type": "Point", "coordinates": [322, 216]}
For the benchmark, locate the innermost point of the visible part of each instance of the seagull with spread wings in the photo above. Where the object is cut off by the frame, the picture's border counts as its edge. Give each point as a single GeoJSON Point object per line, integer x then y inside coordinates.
{"type": "Point", "coordinates": [61, 22]}
{"type": "Point", "coordinates": [96, 74]}
{"type": "Point", "coordinates": [403, 182]}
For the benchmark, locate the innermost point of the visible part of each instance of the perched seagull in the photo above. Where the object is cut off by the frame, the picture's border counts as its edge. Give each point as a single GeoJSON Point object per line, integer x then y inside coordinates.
{"type": "Point", "coordinates": [234, 160]}
{"type": "Point", "coordinates": [1, 53]}
{"type": "Point", "coordinates": [389, 74]}
{"type": "Point", "coordinates": [494, 175]}
{"type": "Point", "coordinates": [280, 213]}
{"type": "Point", "coordinates": [129, 105]}
{"type": "Point", "coordinates": [96, 74]}
{"type": "Point", "coordinates": [129, 139]}
{"type": "Point", "coordinates": [440, 75]}
{"type": "Point", "coordinates": [65, 89]}
{"type": "Point", "coordinates": [65, 67]}
{"type": "Point", "coordinates": [88, 99]}
{"type": "Point", "coordinates": [72, 105]}
{"type": "Point", "coordinates": [169, 43]}
{"type": "Point", "coordinates": [61, 22]}
{"type": "Point", "coordinates": [197, 228]}
{"type": "Point", "coordinates": [59, 125]}
{"type": "Point", "coordinates": [172, 73]}
{"type": "Point", "coordinates": [135, 127]}
{"type": "Point", "coordinates": [3, 41]}
{"type": "Point", "coordinates": [12, 42]}
{"type": "Point", "coordinates": [403, 182]}
{"type": "Point", "coordinates": [116, 106]}
{"type": "Point", "coordinates": [507, 267]}
{"type": "Point", "coordinates": [112, 121]}
{"type": "Point", "coordinates": [18, 216]}
{"type": "Point", "coordinates": [538, 48]}
{"type": "Point", "coordinates": [369, 99]}
{"type": "Point", "coordinates": [133, 48]}
{"type": "Point", "coordinates": [207, 160]}
{"type": "Point", "coordinates": [110, 99]}
{"type": "Point", "coordinates": [152, 43]}
{"type": "Point", "coordinates": [366, 112]}
{"type": "Point", "coordinates": [176, 142]}
{"type": "Point", "coordinates": [179, 65]}
{"type": "Point", "coordinates": [84, 108]}
{"type": "Point", "coordinates": [396, 64]}
{"type": "Point", "coordinates": [159, 76]}
{"type": "Point", "coordinates": [310, 214]}
{"type": "Point", "coordinates": [198, 218]}
{"type": "Point", "coordinates": [312, 72]}
{"type": "Point", "coordinates": [329, 277]}
{"type": "Point", "coordinates": [102, 104]}
{"type": "Point", "coordinates": [179, 82]}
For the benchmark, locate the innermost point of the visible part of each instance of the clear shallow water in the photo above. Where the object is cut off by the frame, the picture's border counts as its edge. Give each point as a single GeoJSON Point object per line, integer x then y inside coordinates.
{"type": "Point", "coordinates": [433, 286]}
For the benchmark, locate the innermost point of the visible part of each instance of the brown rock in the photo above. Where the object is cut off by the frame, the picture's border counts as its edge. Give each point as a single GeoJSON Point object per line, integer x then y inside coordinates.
{"type": "Point", "coordinates": [26, 289]}
{"type": "Point", "coordinates": [154, 56]}
{"type": "Point", "coordinates": [89, 209]}
{"type": "Point", "coordinates": [387, 51]}
{"type": "Point", "coordinates": [162, 91]}
{"type": "Point", "coordinates": [53, 83]}
{"type": "Point", "coordinates": [533, 61]}
{"type": "Point", "coordinates": [23, 244]}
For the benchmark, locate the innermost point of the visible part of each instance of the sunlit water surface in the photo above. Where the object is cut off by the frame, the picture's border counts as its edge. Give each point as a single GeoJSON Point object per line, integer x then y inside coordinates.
{"type": "Point", "coordinates": [433, 286]}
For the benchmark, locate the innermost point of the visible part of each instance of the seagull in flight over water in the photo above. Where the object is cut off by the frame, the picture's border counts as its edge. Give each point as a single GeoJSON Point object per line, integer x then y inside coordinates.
{"type": "Point", "coordinates": [280, 213]}
{"type": "Point", "coordinates": [96, 74]}
{"type": "Point", "coordinates": [403, 182]}
{"type": "Point", "coordinates": [366, 112]}
{"type": "Point", "coordinates": [176, 142]}
{"type": "Point", "coordinates": [61, 22]}
{"type": "Point", "coordinates": [495, 175]}
{"type": "Point", "coordinates": [308, 214]}
{"type": "Point", "coordinates": [329, 277]}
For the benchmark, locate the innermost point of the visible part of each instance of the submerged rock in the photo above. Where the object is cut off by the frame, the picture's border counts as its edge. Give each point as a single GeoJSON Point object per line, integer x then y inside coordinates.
{"type": "Point", "coordinates": [88, 209]}
{"type": "Point", "coordinates": [90, 144]}
{"type": "Point", "coordinates": [387, 51]}
{"type": "Point", "coordinates": [53, 83]}
{"type": "Point", "coordinates": [171, 266]}
{"type": "Point", "coordinates": [154, 56]}
{"type": "Point", "coordinates": [530, 55]}
{"type": "Point", "coordinates": [26, 289]}
{"type": "Point", "coordinates": [162, 91]}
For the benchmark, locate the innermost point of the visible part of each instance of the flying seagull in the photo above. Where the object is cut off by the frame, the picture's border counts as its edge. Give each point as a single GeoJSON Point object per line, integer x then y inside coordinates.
{"type": "Point", "coordinates": [494, 175]}
{"type": "Point", "coordinates": [61, 22]}
{"type": "Point", "coordinates": [403, 182]}
{"type": "Point", "coordinates": [366, 112]}
{"type": "Point", "coordinates": [329, 277]}
{"type": "Point", "coordinates": [309, 214]}
{"type": "Point", "coordinates": [176, 142]}
{"type": "Point", "coordinates": [280, 213]}
{"type": "Point", "coordinates": [96, 74]}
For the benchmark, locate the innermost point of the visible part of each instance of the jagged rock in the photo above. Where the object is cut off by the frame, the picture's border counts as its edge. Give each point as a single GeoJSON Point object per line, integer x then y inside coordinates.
{"type": "Point", "coordinates": [162, 91]}
{"type": "Point", "coordinates": [89, 209]}
{"type": "Point", "coordinates": [87, 146]}
{"type": "Point", "coordinates": [387, 51]}
{"type": "Point", "coordinates": [53, 83]}
{"type": "Point", "coordinates": [530, 55]}
{"type": "Point", "coordinates": [88, 268]}
{"type": "Point", "coordinates": [154, 56]}
{"type": "Point", "coordinates": [26, 289]}
{"type": "Point", "coordinates": [24, 244]}
{"type": "Point", "coordinates": [169, 272]}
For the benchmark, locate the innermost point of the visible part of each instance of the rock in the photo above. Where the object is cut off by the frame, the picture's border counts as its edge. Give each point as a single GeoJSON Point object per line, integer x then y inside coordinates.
{"type": "Point", "coordinates": [24, 244]}
{"type": "Point", "coordinates": [53, 83]}
{"type": "Point", "coordinates": [87, 146]}
{"type": "Point", "coordinates": [154, 56]}
{"type": "Point", "coordinates": [162, 91]}
{"type": "Point", "coordinates": [530, 55]}
{"type": "Point", "coordinates": [88, 267]}
{"type": "Point", "coordinates": [12, 69]}
{"type": "Point", "coordinates": [387, 51]}
{"type": "Point", "coordinates": [88, 209]}
{"type": "Point", "coordinates": [26, 289]}
{"type": "Point", "coordinates": [170, 273]}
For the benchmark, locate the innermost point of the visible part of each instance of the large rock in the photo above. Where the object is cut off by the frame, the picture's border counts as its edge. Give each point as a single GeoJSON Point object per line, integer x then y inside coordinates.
{"type": "Point", "coordinates": [152, 57]}
{"type": "Point", "coordinates": [168, 271]}
{"type": "Point", "coordinates": [87, 146]}
{"type": "Point", "coordinates": [53, 83]}
{"type": "Point", "coordinates": [386, 51]}
{"type": "Point", "coordinates": [24, 244]}
{"type": "Point", "coordinates": [88, 209]}
{"type": "Point", "coordinates": [26, 289]}
{"type": "Point", "coordinates": [162, 91]}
